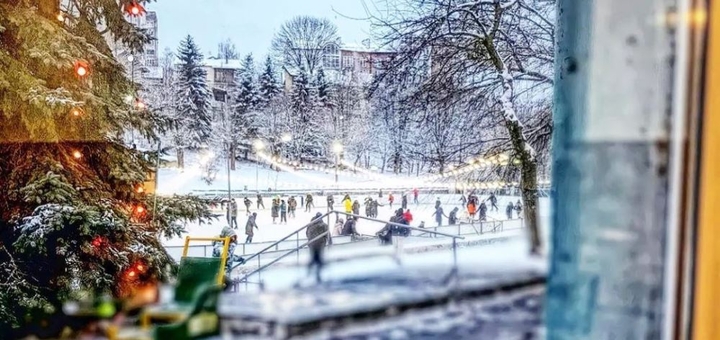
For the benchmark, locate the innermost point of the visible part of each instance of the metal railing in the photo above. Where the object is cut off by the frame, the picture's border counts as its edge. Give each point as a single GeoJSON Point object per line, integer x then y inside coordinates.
{"type": "Point", "coordinates": [260, 268]}
{"type": "Point", "coordinates": [495, 226]}
{"type": "Point", "coordinates": [274, 244]}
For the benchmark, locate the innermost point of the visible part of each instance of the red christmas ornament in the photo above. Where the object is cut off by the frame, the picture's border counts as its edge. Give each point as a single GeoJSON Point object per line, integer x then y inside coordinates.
{"type": "Point", "coordinates": [82, 68]}
{"type": "Point", "coordinates": [134, 9]}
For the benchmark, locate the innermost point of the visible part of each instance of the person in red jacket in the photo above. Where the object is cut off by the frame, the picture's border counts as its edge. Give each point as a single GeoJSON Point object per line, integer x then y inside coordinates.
{"type": "Point", "coordinates": [391, 199]}
{"type": "Point", "coordinates": [408, 216]}
{"type": "Point", "coordinates": [415, 196]}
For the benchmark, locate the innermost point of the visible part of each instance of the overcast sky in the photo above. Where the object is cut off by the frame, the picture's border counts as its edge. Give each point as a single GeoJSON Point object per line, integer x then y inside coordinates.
{"type": "Point", "coordinates": [250, 24]}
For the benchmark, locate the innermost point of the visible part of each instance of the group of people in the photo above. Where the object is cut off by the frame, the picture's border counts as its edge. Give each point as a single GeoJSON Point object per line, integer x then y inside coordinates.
{"type": "Point", "coordinates": [319, 234]}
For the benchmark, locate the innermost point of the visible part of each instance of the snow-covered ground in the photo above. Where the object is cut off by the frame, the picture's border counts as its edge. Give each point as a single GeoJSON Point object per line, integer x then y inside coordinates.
{"type": "Point", "coordinates": [371, 283]}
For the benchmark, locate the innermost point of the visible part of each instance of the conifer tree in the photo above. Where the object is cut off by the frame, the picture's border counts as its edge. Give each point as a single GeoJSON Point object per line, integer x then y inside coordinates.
{"type": "Point", "coordinates": [74, 214]}
{"type": "Point", "coordinates": [309, 144]}
{"type": "Point", "coordinates": [193, 97]}
{"type": "Point", "coordinates": [268, 87]}
{"type": "Point", "coordinates": [245, 100]}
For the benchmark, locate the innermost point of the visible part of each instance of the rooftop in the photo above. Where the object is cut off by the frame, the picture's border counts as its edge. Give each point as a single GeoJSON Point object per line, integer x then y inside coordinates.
{"type": "Point", "coordinates": [222, 63]}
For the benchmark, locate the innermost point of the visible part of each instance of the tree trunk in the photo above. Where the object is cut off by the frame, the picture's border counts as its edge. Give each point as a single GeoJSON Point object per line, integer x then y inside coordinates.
{"type": "Point", "coordinates": [528, 164]}
{"type": "Point", "coordinates": [180, 158]}
{"type": "Point", "coordinates": [232, 158]}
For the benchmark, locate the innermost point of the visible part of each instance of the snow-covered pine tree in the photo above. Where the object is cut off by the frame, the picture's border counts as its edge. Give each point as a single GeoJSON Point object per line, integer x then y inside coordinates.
{"type": "Point", "coordinates": [310, 142]}
{"type": "Point", "coordinates": [245, 99]}
{"type": "Point", "coordinates": [268, 86]}
{"type": "Point", "coordinates": [322, 90]}
{"type": "Point", "coordinates": [193, 99]}
{"type": "Point", "coordinates": [72, 216]}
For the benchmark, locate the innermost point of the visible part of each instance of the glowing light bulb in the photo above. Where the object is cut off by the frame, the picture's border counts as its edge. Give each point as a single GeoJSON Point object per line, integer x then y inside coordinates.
{"type": "Point", "coordinates": [60, 17]}
{"type": "Point", "coordinates": [140, 209]}
{"type": "Point", "coordinates": [77, 154]}
{"type": "Point", "coordinates": [81, 71]}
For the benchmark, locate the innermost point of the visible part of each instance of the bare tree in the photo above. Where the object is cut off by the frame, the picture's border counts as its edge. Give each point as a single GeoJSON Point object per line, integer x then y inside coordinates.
{"type": "Point", "coordinates": [227, 50]}
{"type": "Point", "coordinates": [301, 41]}
{"type": "Point", "coordinates": [490, 51]}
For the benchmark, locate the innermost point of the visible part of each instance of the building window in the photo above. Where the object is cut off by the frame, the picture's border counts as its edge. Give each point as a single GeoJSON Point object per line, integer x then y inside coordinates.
{"type": "Point", "coordinates": [219, 95]}
{"type": "Point", "coordinates": [348, 62]}
{"type": "Point", "coordinates": [150, 52]}
{"type": "Point", "coordinates": [224, 75]}
{"type": "Point", "coordinates": [331, 56]}
{"type": "Point", "coordinates": [363, 64]}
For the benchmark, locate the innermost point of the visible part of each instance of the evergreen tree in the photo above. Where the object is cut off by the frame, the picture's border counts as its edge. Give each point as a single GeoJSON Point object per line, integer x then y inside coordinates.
{"type": "Point", "coordinates": [193, 99]}
{"type": "Point", "coordinates": [310, 142]}
{"type": "Point", "coordinates": [322, 90]}
{"type": "Point", "coordinates": [268, 87]}
{"type": "Point", "coordinates": [245, 100]}
{"type": "Point", "coordinates": [72, 217]}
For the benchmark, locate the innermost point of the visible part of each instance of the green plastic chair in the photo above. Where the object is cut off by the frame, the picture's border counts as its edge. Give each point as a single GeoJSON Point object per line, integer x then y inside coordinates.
{"type": "Point", "coordinates": [201, 321]}
{"type": "Point", "coordinates": [194, 273]}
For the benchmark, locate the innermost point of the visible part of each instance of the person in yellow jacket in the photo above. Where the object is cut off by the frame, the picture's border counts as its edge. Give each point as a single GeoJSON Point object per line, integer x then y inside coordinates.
{"type": "Point", "coordinates": [347, 202]}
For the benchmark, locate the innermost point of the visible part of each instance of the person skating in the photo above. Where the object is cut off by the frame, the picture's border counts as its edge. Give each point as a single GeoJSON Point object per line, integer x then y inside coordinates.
{"type": "Point", "coordinates": [292, 205]}
{"type": "Point", "coordinates": [349, 228]}
{"type": "Point", "coordinates": [330, 202]}
{"type": "Point", "coordinates": [408, 216]}
{"type": "Point", "coordinates": [308, 202]}
{"type": "Point", "coordinates": [415, 196]}
{"type": "Point", "coordinates": [518, 208]}
{"type": "Point", "coordinates": [275, 209]}
{"type": "Point", "coordinates": [232, 214]}
{"type": "Point", "coordinates": [249, 227]}
{"type": "Point", "coordinates": [471, 209]}
{"type": "Point", "coordinates": [463, 200]}
{"type": "Point", "coordinates": [356, 208]}
{"type": "Point", "coordinates": [283, 212]}
{"type": "Point", "coordinates": [509, 210]}
{"type": "Point", "coordinates": [231, 257]}
{"type": "Point", "coordinates": [260, 202]}
{"type": "Point", "coordinates": [452, 217]}
{"type": "Point", "coordinates": [248, 203]}
{"type": "Point", "coordinates": [493, 202]}
{"type": "Point", "coordinates": [368, 206]}
{"type": "Point", "coordinates": [394, 234]}
{"type": "Point", "coordinates": [347, 203]}
{"type": "Point", "coordinates": [316, 244]}
{"type": "Point", "coordinates": [391, 199]}
{"type": "Point", "coordinates": [337, 229]}
{"type": "Point", "coordinates": [483, 211]}
{"type": "Point", "coordinates": [404, 201]}
{"type": "Point", "coordinates": [439, 215]}
{"type": "Point", "coordinates": [375, 206]}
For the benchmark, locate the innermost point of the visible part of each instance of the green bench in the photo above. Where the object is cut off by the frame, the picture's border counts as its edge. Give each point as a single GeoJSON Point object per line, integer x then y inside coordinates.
{"type": "Point", "coordinates": [192, 313]}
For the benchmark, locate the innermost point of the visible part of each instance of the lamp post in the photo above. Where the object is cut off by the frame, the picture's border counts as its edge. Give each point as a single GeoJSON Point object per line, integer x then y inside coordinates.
{"type": "Point", "coordinates": [337, 148]}
{"type": "Point", "coordinates": [285, 139]}
{"type": "Point", "coordinates": [259, 146]}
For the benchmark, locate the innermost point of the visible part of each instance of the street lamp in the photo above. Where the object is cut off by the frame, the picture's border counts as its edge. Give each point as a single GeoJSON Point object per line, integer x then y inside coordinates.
{"type": "Point", "coordinates": [337, 148]}
{"type": "Point", "coordinates": [259, 146]}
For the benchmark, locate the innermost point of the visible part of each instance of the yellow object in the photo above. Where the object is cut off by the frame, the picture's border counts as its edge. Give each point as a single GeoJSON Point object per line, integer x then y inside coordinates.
{"type": "Point", "coordinates": [707, 254]}
{"type": "Point", "coordinates": [223, 256]}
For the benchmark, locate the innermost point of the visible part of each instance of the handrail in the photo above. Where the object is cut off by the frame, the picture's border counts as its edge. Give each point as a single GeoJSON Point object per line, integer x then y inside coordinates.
{"type": "Point", "coordinates": [297, 249]}
{"type": "Point", "coordinates": [280, 240]}
{"type": "Point", "coordinates": [282, 256]}
{"type": "Point", "coordinates": [400, 225]}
